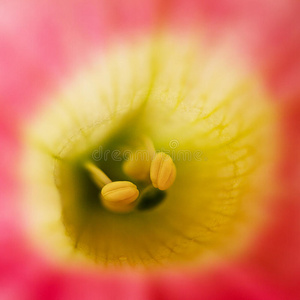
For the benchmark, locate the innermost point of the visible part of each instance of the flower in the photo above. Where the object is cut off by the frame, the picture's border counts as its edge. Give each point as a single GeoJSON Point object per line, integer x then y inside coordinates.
{"type": "Point", "coordinates": [56, 57]}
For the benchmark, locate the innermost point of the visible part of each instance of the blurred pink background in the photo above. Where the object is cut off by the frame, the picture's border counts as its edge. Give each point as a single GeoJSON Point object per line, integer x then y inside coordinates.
{"type": "Point", "coordinates": [43, 42]}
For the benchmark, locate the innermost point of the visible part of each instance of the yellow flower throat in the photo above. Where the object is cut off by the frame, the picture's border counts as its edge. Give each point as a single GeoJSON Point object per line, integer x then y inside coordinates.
{"type": "Point", "coordinates": [152, 156]}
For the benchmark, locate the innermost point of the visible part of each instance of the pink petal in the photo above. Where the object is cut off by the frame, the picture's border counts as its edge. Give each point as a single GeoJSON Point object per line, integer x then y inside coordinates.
{"type": "Point", "coordinates": [42, 42]}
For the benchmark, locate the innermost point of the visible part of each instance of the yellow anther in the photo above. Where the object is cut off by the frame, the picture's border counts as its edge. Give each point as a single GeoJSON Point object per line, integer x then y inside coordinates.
{"type": "Point", "coordinates": [138, 163]}
{"type": "Point", "coordinates": [162, 171]}
{"type": "Point", "coordinates": [98, 176]}
{"type": "Point", "coordinates": [137, 166]}
{"type": "Point", "coordinates": [119, 196]}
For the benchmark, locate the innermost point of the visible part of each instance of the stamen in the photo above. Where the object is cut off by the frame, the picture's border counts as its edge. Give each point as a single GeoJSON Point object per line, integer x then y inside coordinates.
{"type": "Point", "coordinates": [162, 171]}
{"type": "Point", "coordinates": [98, 176]}
{"type": "Point", "coordinates": [136, 167]}
{"type": "Point", "coordinates": [119, 196]}
{"type": "Point", "coordinates": [138, 163]}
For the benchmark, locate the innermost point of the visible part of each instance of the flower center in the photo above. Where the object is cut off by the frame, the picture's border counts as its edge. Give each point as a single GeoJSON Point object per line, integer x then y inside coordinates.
{"type": "Point", "coordinates": [152, 172]}
{"type": "Point", "coordinates": [104, 158]}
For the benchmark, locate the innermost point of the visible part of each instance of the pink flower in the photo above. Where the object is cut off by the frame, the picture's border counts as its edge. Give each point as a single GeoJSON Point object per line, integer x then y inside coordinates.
{"type": "Point", "coordinates": [44, 44]}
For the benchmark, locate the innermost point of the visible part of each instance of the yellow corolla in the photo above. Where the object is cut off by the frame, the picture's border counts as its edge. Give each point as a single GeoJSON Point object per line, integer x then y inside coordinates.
{"type": "Point", "coordinates": [192, 113]}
